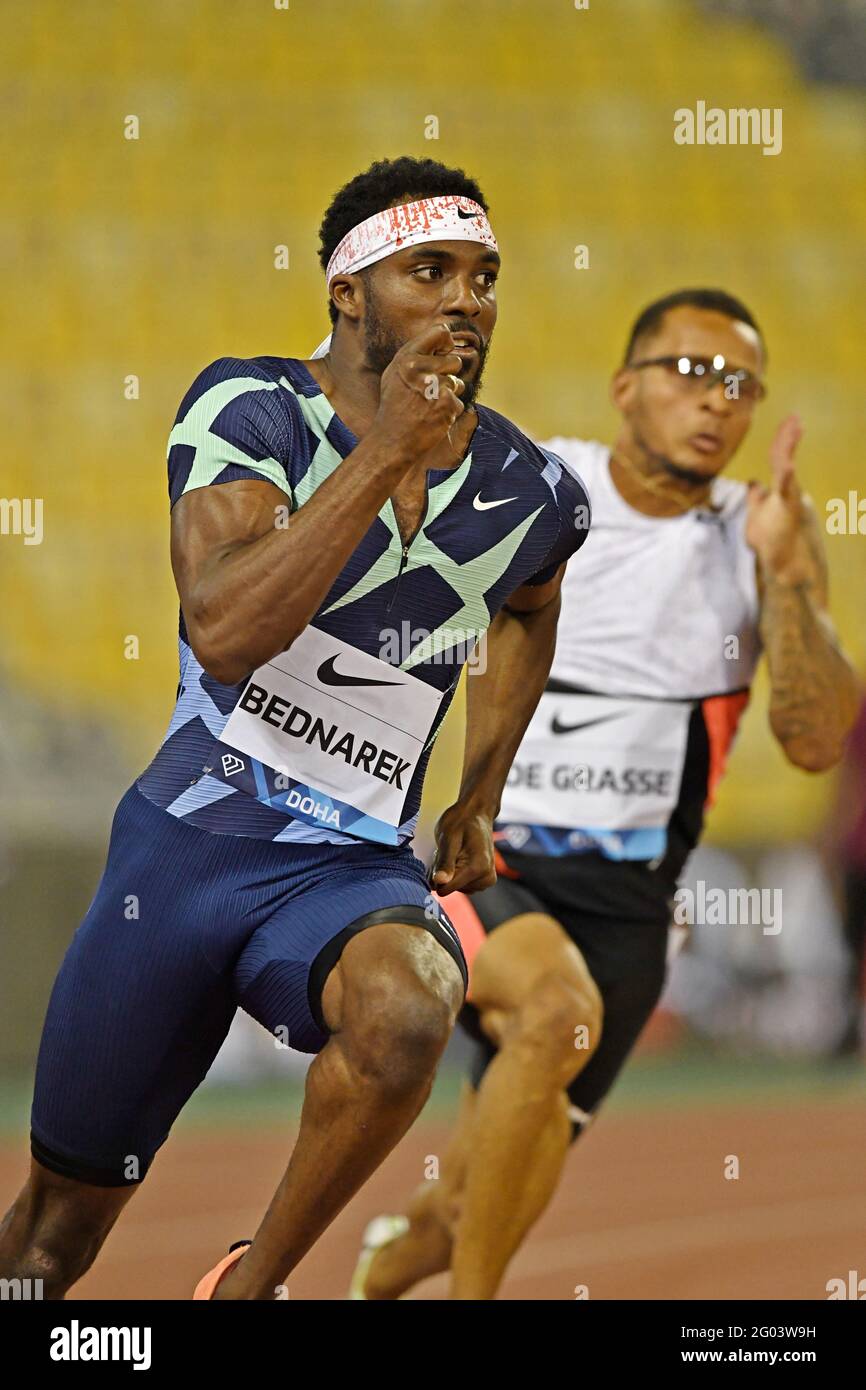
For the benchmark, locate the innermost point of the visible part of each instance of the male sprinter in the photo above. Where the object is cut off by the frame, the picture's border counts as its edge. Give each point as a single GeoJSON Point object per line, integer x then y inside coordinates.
{"type": "Point", "coordinates": [685, 576]}
{"type": "Point", "coordinates": [263, 860]}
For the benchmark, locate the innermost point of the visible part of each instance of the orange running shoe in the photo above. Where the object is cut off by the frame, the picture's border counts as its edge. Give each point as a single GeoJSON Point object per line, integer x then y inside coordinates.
{"type": "Point", "coordinates": [205, 1287]}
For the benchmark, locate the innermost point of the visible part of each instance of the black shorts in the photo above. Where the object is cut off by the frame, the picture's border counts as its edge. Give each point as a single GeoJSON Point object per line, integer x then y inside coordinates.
{"type": "Point", "coordinates": [626, 957]}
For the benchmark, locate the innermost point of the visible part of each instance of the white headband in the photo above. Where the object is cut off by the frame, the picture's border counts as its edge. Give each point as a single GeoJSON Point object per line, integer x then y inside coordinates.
{"type": "Point", "coordinates": [447, 217]}
{"type": "Point", "coordinates": [444, 218]}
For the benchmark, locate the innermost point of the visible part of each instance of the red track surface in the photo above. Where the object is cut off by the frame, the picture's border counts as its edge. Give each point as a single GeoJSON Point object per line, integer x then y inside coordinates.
{"type": "Point", "coordinates": [644, 1210]}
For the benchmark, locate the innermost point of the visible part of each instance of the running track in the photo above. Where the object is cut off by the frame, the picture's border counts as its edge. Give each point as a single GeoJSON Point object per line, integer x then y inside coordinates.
{"type": "Point", "coordinates": [644, 1210]}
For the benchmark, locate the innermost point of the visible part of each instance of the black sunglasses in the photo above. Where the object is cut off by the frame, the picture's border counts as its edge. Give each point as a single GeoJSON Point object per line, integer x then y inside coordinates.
{"type": "Point", "coordinates": [740, 385]}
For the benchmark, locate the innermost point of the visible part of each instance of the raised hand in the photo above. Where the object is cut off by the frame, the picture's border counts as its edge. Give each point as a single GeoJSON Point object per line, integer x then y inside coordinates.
{"type": "Point", "coordinates": [780, 517]}
{"type": "Point", "coordinates": [420, 393]}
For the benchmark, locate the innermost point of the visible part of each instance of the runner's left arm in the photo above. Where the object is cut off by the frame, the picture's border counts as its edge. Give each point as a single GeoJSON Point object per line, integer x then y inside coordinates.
{"type": "Point", "coordinates": [501, 696]}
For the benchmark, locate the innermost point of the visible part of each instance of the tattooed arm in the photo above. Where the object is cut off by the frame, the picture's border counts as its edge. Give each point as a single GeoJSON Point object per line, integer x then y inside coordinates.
{"type": "Point", "coordinates": [814, 691]}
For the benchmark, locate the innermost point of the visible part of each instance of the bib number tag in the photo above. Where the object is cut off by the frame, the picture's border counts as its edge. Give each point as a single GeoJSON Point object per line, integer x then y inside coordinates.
{"type": "Point", "coordinates": [589, 762]}
{"type": "Point", "coordinates": [332, 722]}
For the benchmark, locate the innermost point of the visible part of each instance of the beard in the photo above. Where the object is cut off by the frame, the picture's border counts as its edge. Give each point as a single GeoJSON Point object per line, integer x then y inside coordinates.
{"type": "Point", "coordinates": [381, 344]}
{"type": "Point", "coordinates": [683, 475]}
{"type": "Point", "coordinates": [691, 477]}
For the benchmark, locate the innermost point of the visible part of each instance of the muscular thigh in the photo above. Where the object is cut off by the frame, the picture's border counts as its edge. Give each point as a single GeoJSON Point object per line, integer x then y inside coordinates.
{"type": "Point", "coordinates": [531, 923]}
{"type": "Point", "coordinates": [518, 956]}
{"type": "Point", "coordinates": [382, 965]}
{"type": "Point", "coordinates": [292, 973]}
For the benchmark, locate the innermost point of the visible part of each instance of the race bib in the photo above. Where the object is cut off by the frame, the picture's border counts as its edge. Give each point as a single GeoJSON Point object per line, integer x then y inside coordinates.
{"type": "Point", "coordinates": [607, 770]}
{"type": "Point", "coordinates": [333, 736]}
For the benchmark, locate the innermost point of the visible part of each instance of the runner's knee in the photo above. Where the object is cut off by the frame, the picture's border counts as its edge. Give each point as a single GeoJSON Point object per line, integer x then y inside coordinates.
{"type": "Point", "coordinates": [397, 1026]}
{"type": "Point", "coordinates": [560, 1022]}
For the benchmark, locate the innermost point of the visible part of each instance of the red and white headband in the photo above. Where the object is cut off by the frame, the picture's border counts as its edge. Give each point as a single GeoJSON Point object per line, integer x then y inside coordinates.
{"type": "Point", "coordinates": [448, 217]}
{"type": "Point", "coordinates": [445, 218]}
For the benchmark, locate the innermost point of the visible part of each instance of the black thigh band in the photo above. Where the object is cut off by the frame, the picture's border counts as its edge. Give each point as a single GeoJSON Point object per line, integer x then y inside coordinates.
{"type": "Point", "coordinates": [410, 916]}
{"type": "Point", "coordinates": [78, 1170]}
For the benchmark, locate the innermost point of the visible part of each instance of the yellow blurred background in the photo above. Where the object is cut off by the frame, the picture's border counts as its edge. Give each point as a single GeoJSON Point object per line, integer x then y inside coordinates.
{"type": "Point", "coordinates": [133, 262]}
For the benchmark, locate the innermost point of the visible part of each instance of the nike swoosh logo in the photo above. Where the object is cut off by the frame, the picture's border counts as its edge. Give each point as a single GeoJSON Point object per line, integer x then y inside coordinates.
{"type": "Point", "coordinates": [328, 676]}
{"type": "Point", "coordinates": [467, 216]}
{"type": "Point", "coordinates": [485, 506]}
{"type": "Point", "coordinates": [558, 728]}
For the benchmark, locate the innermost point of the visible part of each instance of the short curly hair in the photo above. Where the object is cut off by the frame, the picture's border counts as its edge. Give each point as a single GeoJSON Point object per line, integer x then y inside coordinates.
{"type": "Point", "coordinates": [386, 182]}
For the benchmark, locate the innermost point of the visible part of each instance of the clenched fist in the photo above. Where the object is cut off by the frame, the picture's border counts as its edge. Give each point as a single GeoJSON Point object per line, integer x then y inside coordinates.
{"type": "Point", "coordinates": [419, 397]}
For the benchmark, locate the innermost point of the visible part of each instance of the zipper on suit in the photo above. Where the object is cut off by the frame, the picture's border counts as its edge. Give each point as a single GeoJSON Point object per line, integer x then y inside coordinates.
{"type": "Point", "coordinates": [403, 559]}
{"type": "Point", "coordinates": [404, 555]}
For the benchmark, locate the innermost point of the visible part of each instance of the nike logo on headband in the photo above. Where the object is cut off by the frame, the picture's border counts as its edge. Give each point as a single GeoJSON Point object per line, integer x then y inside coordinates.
{"type": "Point", "coordinates": [409, 224]}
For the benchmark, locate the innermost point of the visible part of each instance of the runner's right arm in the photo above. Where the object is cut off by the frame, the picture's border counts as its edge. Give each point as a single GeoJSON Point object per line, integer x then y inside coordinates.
{"type": "Point", "coordinates": [248, 587]}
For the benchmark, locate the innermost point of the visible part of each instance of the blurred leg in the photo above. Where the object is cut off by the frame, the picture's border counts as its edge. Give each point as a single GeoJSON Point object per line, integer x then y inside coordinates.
{"type": "Point", "coordinates": [533, 991]}
{"type": "Point", "coordinates": [530, 972]}
{"type": "Point", "coordinates": [425, 1248]}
